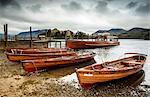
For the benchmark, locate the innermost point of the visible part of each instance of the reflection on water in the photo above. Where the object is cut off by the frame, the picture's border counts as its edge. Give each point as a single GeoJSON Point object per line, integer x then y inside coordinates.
{"type": "Point", "coordinates": [111, 53]}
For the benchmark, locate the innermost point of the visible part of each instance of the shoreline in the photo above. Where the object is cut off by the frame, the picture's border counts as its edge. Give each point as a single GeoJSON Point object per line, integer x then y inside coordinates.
{"type": "Point", "coordinates": [14, 82]}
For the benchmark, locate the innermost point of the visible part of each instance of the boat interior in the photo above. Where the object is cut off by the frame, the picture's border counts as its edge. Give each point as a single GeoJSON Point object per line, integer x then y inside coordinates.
{"type": "Point", "coordinates": [34, 51]}
{"type": "Point", "coordinates": [119, 65]}
{"type": "Point", "coordinates": [72, 57]}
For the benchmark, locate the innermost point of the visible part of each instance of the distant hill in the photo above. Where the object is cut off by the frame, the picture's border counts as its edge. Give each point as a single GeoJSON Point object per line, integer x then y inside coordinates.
{"type": "Point", "coordinates": [26, 35]}
{"type": "Point", "coordinates": [112, 31]}
{"type": "Point", "coordinates": [137, 33]}
{"type": "Point", "coordinates": [117, 31]}
{"type": "Point", "coordinates": [138, 30]}
{"type": "Point", "coordinates": [101, 31]}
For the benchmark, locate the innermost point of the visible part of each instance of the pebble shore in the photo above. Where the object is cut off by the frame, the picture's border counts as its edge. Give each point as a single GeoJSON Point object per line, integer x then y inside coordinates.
{"type": "Point", "coordinates": [14, 82]}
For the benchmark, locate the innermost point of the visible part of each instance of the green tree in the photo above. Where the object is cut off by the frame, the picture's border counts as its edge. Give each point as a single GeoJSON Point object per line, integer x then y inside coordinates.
{"type": "Point", "coordinates": [48, 33]}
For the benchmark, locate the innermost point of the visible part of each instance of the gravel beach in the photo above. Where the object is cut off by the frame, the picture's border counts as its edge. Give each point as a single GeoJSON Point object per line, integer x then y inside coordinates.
{"type": "Point", "coordinates": [14, 82]}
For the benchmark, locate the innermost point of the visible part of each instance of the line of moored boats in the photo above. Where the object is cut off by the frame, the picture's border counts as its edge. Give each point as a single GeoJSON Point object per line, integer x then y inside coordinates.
{"type": "Point", "coordinates": [35, 59]}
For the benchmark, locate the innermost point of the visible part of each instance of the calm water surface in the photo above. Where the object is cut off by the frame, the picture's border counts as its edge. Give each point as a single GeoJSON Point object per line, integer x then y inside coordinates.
{"type": "Point", "coordinates": [67, 74]}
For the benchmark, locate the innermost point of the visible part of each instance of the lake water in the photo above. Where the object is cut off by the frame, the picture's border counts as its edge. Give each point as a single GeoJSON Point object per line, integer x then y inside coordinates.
{"type": "Point", "coordinates": [110, 53]}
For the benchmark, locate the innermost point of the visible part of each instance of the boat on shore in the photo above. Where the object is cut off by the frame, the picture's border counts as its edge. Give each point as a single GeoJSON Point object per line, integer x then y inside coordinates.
{"type": "Point", "coordinates": [35, 50]}
{"type": "Point", "coordinates": [47, 63]}
{"type": "Point", "coordinates": [17, 56]}
{"type": "Point", "coordinates": [111, 70]}
{"type": "Point", "coordinates": [131, 81]}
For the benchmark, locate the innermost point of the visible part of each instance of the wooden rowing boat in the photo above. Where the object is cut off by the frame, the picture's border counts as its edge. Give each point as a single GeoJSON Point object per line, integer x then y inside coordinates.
{"type": "Point", "coordinates": [80, 44]}
{"type": "Point", "coordinates": [35, 50]}
{"type": "Point", "coordinates": [45, 63]}
{"type": "Point", "coordinates": [129, 81]}
{"type": "Point", "coordinates": [28, 56]}
{"type": "Point", "coordinates": [112, 70]}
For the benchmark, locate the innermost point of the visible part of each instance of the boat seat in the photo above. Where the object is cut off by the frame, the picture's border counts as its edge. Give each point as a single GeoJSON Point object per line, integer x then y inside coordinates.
{"type": "Point", "coordinates": [104, 65]}
{"type": "Point", "coordinates": [98, 67]}
{"type": "Point", "coordinates": [14, 51]}
{"type": "Point", "coordinates": [67, 58]}
{"type": "Point", "coordinates": [132, 63]}
{"type": "Point", "coordinates": [109, 68]}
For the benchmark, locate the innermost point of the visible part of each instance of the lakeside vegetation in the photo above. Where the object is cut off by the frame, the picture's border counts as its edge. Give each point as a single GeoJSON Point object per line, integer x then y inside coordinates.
{"type": "Point", "coordinates": [134, 33]}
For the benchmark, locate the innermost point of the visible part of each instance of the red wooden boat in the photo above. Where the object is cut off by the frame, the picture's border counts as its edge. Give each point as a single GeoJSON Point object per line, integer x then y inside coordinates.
{"type": "Point", "coordinates": [82, 44]}
{"type": "Point", "coordinates": [35, 50]}
{"type": "Point", "coordinates": [19, 56]}
{"type": "Point", "coordinates": [45, 63]}
{"type": "Point", "coordinates": [112, 70]}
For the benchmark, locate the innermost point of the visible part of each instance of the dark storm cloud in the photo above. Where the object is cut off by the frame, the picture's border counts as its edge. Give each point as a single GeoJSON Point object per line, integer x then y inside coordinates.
{"type": "Point", "coordinates": [72, 6]}
{"type": "Point", "coordinates": [101, 6]}
{"type": "Point", "coordinates": [12, 3]}
{"type": "Point", "coordinates": [144, 9]}
{"type": "Point", "coordinates": [74, 14]}
{"type": "Point", "coordinates": [132, 4]}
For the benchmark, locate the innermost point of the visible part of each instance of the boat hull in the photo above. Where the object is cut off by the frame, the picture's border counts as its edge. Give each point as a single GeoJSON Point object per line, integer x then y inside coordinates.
{"type": "Point", "coordinates": [20, 57]}
{"type": "Point", "coordinates": [111, 70]}
{"type": "Point", "coordinates": [34, 65]}
{"type": "Point", "coordinates": [86, 78]}
{"type": "Point", "coordinates": [35, 50]}
{"type": "Point", "coordinates": [76, 44]}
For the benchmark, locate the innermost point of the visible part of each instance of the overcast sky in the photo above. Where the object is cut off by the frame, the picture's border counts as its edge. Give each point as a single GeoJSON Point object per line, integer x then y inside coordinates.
{"type": "Point", "coordinates": [84, 15]}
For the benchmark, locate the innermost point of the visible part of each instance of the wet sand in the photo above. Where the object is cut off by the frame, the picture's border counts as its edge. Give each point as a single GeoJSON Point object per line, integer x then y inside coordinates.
{"type": "Point", "coordinates": [14, 82]}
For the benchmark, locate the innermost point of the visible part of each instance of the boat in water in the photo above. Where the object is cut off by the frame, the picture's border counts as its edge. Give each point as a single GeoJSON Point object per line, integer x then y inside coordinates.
{"type": "Point", "coordinates": [111, 70]}
{"type": "Point", "coordinates": [82, 44]}
{"type": "Point", "coordinates": [46, 63]}
{"type": "Point", "coordinates": [99, 41]}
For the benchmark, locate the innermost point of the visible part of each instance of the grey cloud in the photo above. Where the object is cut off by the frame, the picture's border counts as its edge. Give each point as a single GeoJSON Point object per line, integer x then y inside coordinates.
{"type": "Point", "coordinates": [52, 0]}
{"type": "Point", "coordinates": [110, 0]}
{"type": "Point", "coordinates": [101, 6]}
{"type": "Point", "coordinates": [72, 6]}
{"type": "Point", "coordinates": [143, 9]}
{"type": "Point", "coordinates": [12, 3]}
{"type": "Point", "coordinates": [20, 18]}
{"type": "Point", "coordinates": [51, 13]}
{"type": "Point", "coordinates": [35, 8]}
{"type": "Point", "coordinates": [132, 4]}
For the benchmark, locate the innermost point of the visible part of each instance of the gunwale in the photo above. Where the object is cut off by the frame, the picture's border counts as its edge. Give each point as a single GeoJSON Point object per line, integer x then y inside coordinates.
{"type": "Point", "coordinates": [89, 75]}
{"type": "Point", "coordinates": [32, 65]}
